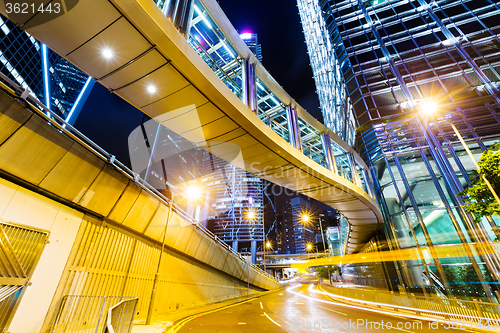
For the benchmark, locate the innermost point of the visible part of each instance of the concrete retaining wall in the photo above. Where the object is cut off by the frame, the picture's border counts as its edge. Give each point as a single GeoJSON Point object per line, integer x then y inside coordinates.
{"type": "Point", "coordinates": [55, 171]}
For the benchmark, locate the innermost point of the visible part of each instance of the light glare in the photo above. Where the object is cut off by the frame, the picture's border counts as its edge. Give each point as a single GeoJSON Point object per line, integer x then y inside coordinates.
{"type": "Point", "coordinates": [305, 218]}
{"type": "Point", "coordinates": [107, 53]}
{"type": "Point", "coordinates": [429, 107]}
{"type": "Point", "coordinates": [193, 192]}
{"type": "Point", "coordinates": [151, 89]}
{"type": "Point", "coordinates": [251, 215]}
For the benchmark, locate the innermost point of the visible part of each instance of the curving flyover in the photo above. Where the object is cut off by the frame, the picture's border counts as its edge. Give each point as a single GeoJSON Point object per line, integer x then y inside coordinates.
{"type": "Point", "coordinates": [194, 73]}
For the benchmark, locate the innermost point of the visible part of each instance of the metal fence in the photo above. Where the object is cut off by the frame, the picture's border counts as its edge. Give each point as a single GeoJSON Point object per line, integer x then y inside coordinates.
{"type": "Point", "coordinates": [86, 313]}
{"type": "Point", "coordinates": [121, 316]}
{"type": "Point", "coordinates": [470, 311]}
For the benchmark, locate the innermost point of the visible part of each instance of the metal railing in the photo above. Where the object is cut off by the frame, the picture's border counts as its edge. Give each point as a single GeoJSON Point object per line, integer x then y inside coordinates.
{"type": "Point", "coordinates": [121, 317]}
{"type": "Point", "coordinates": [470, 311]}
{"type": "Point", "coordinates": [79, 313]}
{"type": "Point", "coordinates": [41, 110]}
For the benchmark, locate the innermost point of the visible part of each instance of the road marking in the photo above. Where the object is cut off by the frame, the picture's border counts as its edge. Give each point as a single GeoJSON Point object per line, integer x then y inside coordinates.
{"type": "Point", "coordinates": [242, 323]}
{"type": "Point", "coordinates": [280, 294]}
{"type": "Point", "coordinates": [403, 330]}
{"type": "Point", "coordinates": [261, 305]}
{"type": "Point", "coordinates": [345, 314]}
{"type": "Point", "coordinates": [182, 322]}
{"type": "Point", "coordinates": [271, 319]}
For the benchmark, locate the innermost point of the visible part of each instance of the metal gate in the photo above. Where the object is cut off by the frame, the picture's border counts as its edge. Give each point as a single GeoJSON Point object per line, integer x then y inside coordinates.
{"type": "Point", "coordinates": [20, 250]}
{"type": "Point", "coordinates": [87, 314]}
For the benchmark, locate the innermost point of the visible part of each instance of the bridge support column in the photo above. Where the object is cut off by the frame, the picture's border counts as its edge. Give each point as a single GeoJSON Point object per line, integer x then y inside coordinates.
{"type": "Point", "coordinates": [327, 148]}
{"type": "Point", "coordinates": [354, 171]}
{"type": "Point", "coordinates": [249, 96]}
{"type": "Point", "coordinates": [253, 251]}
{"type": "Point", "coordinates": [235, 245]}
{"type": "Point", "coordinates": [293, 127]}
{"type": "Point", "coordinates": [369, 183]}
{"type": "Point", "coordinates": [180, 13]}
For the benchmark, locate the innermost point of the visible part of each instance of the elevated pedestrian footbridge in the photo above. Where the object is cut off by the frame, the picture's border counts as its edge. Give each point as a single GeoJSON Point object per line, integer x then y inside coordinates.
{"type": "Point", "coordinates": [183, 63]}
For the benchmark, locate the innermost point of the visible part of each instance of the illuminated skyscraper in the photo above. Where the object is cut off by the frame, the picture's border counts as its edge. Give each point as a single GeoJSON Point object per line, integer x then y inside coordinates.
{"type": "Point", "coordinates": [395, 59]}
{"type": "Point", "coordinates": [56, 83]}
{"type": "Point", "coordinates": [334, 101]}
{"type": "Point", "coordinates": [253, 44]}
{"type": "Point", "coordinates": [236, 199]}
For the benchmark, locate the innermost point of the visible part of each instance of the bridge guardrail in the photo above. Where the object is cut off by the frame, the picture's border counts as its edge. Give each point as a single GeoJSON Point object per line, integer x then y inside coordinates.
{"type": "Point", "coordinates": [13, 88]}
{"type": "Point", "coordinates": [458, 310]}
{"type": "Point", "coordinates": [80, 313]}
{"type": "Point", "coordinates": [120, 317]}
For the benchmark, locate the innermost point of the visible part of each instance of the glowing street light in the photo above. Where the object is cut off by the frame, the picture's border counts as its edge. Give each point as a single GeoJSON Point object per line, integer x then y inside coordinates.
{"type": "Point", "coordinates": [251, 215]}
{"type": "Point", "coordinates": [309, 247]}
{"type": "Point", "coordinates": [268, 245]}
{"type": "Point", "coordinates": [305, 218]}
{"type": "Point", "coordinates": [429, 106]}
{"type": "Point", "coordinates": [193, 192]}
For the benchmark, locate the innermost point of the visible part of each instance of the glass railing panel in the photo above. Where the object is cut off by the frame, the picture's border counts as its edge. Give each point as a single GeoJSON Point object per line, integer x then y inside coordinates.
{"type": "Point", "coordinates": [272, 111]}
{"type": "Point", "coordinates": [311, 142]}
{"type": "Point", "coordinates": [214, 48]}
{"type": "Point", "coordinates": [342, 162]}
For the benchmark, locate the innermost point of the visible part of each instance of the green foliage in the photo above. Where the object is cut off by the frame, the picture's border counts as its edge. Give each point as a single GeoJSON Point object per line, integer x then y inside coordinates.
{"type": "Point", "coordinates": [323, 271]}
{"type": "Point", "coordinates": [478, 198]}
{"type": "Point", "coordinates": [463, 281]}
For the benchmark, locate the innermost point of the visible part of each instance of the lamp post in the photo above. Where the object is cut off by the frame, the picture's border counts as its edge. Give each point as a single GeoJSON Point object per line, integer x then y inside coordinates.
{"type": "Point", "coordinates": [192, 193]}
{"type": "Point", "coordinates": [157, 275]}
{"type": "Point", "coordinates": [251, 215]}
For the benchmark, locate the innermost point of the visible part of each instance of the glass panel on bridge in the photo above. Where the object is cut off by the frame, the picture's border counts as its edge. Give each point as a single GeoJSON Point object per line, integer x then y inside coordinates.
{"type": "Point", "coordinates": [342, 162]}
{"type": "Point", "coordinates": [214, 48]}
{"type": "Point", "coordinates": [311, 142]}
{"type": "Point", "coordinates": [272, 110]}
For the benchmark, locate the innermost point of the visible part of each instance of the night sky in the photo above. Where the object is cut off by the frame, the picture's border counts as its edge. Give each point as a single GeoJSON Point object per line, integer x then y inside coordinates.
{"type": "Point", "coordinates": [284, 52]}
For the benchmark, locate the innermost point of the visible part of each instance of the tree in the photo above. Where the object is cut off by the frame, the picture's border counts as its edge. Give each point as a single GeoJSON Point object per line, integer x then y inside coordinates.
{"type": "Point", "coordinates": [478, 198]}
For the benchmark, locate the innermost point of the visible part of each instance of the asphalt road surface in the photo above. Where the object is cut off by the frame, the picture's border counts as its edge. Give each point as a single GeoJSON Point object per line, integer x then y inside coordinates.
{"type": "Point", "coordinates": [301, 308]}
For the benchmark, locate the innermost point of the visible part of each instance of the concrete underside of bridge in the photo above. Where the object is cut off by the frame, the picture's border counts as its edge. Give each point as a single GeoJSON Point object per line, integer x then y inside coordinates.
{"type": "Point", "coordinates": [190, 99]}
{"type": "Point", "coordinates": [105, 231]}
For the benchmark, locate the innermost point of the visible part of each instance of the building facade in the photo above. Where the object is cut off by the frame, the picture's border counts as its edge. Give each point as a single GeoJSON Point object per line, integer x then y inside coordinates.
{"type": "Point", "coordinates": [398, 59]}
{"type": "Point", "coordinates": [297, 233]}
{"type": "Point", "coordinates": [56, 83]}
{"type": "Point", "coordinates": [252, 42]}
{"type": "Point", "coordinates": [236, 201]}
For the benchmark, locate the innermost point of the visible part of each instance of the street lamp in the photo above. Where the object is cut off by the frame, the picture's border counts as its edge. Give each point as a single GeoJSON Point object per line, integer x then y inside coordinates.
{"type": "Point", "coordinates": [309, 247]}
{"type": "Point", "coordinates": [251, 215]}
{"type": "Point", "coordinates": [305, 218]}
{"type": "Point", "coordinates": [192, 192]}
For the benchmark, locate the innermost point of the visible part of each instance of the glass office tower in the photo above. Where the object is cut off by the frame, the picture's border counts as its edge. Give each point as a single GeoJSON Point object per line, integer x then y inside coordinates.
{"type": "Point", "coordinates": [397, 58]}
{"type": "Point", "coordinates": [335, 103]}
{"type": "Point", "coordinates": [56, 83]}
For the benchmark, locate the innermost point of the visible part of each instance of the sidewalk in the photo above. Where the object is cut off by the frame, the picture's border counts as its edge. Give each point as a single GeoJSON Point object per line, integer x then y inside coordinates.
{"type": "Point", "coordinates": [163, 322]}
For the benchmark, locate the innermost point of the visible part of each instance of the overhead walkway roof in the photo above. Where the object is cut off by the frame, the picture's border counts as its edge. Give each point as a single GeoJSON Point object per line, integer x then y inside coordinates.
{"type": "Point", "coordinates": [132, 48]}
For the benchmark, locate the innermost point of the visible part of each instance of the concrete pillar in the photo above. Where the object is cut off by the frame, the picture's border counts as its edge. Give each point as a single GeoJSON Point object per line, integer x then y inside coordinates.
{"type": "Point", "coordinates": [235, 245]}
